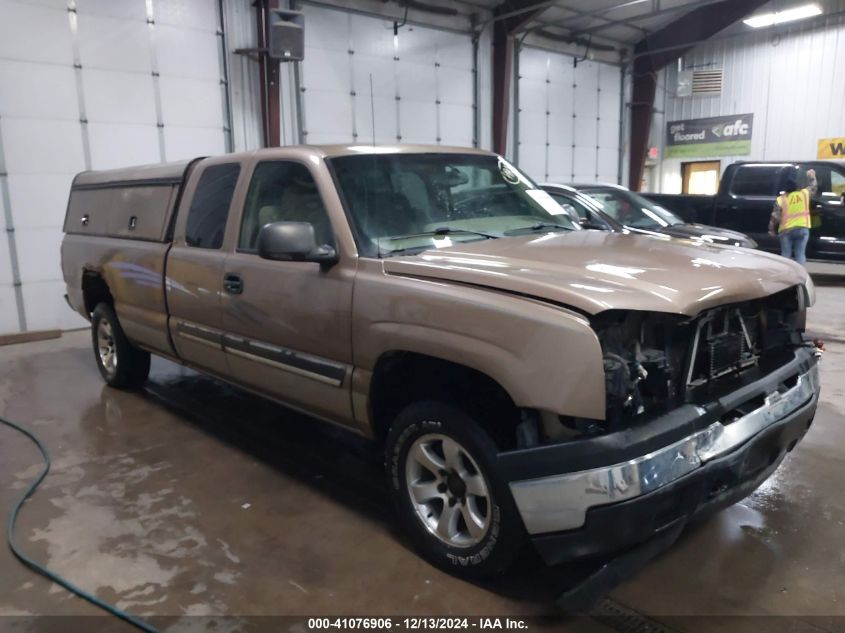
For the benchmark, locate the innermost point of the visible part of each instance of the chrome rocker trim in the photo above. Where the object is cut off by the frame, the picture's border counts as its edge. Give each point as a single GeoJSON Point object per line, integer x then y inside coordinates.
{"type": "Point", "coordinates": [560, 502]}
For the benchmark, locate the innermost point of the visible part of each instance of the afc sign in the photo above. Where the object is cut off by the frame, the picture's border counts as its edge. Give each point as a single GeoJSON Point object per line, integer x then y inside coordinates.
{"type": "Point", "coordinates": [737, 128]}
{"type": "Point", "coordinates": [728, 135]}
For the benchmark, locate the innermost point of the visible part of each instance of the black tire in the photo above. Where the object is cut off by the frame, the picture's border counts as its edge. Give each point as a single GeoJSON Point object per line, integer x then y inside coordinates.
{"type": "Point", "coordinates": [420, 425]}
{"type": "Point", "coordinates": [128, 366]}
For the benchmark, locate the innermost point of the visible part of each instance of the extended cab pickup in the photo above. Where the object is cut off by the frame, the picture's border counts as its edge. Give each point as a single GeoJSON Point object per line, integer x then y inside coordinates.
{"type": "Point", "coordinates": [527, 379]}
{"type": "Point", "coordinates": [747, 193]}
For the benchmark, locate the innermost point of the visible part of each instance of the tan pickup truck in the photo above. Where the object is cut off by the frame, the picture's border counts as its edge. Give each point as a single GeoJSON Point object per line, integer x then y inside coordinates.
{"type": "Point", "coordinates": [585, 391]}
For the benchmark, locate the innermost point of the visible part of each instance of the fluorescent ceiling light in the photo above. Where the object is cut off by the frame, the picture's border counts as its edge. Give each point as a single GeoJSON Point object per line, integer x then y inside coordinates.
{"type": "Point", "coordinates": [789, 15]}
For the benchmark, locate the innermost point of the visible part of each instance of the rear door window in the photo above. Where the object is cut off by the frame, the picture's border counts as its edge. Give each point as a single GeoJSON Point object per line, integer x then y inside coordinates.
{"type": "Point", "coordinates": [210, 206]}
{"type": "Point", "coordinates": [756, 180]}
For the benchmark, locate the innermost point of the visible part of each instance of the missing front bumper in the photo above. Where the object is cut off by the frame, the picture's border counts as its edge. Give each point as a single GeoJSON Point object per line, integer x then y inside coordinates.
{"type": "Point", "coordinates": [561, 502]}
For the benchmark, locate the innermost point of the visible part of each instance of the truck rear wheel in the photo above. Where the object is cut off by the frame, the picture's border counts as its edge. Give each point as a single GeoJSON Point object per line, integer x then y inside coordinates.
{"type": "Point", "coordinates": [121, 365]}
{"type": "Point", "coordinates": [447, 493]}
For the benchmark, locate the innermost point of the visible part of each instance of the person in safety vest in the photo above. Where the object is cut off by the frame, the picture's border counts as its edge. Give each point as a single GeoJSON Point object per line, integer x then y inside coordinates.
{"type": "Point", "coordinates": [791, 216]}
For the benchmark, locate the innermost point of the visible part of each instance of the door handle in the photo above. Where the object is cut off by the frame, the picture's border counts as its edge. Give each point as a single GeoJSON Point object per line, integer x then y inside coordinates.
{"type": "Point", "coordinates": [233, 283]}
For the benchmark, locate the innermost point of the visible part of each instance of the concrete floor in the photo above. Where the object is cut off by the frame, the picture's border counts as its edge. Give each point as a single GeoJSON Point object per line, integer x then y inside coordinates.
{"type": "Point", "coordinates": [194, 499]}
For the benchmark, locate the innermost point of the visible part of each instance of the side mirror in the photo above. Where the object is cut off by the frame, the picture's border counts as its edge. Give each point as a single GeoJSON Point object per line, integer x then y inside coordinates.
{"type": "Point", "coordinates": [589, 223]}
{"type": "Point", "coordinates": [293, 242]}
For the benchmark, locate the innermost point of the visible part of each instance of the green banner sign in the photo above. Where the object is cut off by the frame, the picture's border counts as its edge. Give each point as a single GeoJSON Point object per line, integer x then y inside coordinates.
{"type": "Point", "coordinates": [713, 136]}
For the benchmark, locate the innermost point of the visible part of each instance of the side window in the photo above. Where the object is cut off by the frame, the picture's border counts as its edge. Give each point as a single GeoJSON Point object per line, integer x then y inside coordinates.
{"type": "Point", "coordinates": [831, 182]}
{"type": "Point", "coordinates": [210, 206]}
{"type": "Point", "coordinates": [575, 209]}
{"type": "Point", "coordinates": [282, 191]}
{"type": "Point", "coordinates": [756, 180]}
{"type": "Point", "coordinates": [837, 183]}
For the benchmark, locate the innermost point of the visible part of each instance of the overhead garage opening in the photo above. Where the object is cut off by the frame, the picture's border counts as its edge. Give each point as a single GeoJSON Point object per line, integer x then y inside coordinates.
{"type": "Point", "coordinates": [361, 82]}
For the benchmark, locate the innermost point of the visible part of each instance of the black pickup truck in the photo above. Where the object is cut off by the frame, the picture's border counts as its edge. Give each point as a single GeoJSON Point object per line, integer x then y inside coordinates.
{"type": "Point", "coordinates": [747, 193]}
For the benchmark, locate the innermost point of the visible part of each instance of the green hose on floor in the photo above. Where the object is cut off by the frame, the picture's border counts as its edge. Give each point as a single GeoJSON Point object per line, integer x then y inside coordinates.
{"type": "Point", "coordinates": [40, 569]}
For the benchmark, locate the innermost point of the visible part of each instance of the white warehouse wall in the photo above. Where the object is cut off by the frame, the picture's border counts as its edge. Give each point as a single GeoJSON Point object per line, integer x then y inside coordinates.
{"type": "Point", "coordinates": [791, 78]}
{"type": "Point", "coordinates": [415, 88]}
{"type": "Point", "coordinates": [91, 84]}
{"type": "Point", "coordinates": [568, 117]}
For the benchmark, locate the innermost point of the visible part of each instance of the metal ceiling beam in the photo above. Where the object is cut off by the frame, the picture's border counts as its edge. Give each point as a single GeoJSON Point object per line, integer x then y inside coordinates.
{"type": "Point", "coordinates": [663, 47]}
{"type": "Point", "coordinates": [579, 14]}
{"type": "Point", "coordinates": [597, 13]}
{"type": "Point", "coordinates": [654, 14]}
{"type": "Point", "coordinates": [508, 17]}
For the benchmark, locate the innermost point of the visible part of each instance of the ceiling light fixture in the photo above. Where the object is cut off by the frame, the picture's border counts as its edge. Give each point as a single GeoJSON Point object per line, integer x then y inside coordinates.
{"type": "Point", "coordinates": [788, 15]}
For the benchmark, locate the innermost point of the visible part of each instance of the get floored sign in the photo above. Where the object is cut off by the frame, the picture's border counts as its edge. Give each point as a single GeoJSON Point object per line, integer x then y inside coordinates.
{"type": "Point", "coordinates": [714, 136]}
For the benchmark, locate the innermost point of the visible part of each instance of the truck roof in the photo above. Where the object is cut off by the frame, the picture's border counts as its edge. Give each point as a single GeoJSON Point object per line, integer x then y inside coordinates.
{"type": "Point", "coordinates": [173, 172]}
{"type": "Point", "coordinates": [330, 151]}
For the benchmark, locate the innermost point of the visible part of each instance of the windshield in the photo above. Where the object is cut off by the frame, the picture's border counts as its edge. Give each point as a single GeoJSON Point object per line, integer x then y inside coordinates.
{"type": "Point", "coordinates": [631, 209]}
{"type": "Point", "coordinates": [410, 202]}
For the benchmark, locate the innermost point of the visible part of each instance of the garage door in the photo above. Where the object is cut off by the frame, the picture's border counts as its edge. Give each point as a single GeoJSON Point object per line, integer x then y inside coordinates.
{"type": "Point", "coordinates": [98, 86]}
{"type": "Point", "coordinates": [359, 83]}
{"type": "Point", "coordinates": [568, 118]}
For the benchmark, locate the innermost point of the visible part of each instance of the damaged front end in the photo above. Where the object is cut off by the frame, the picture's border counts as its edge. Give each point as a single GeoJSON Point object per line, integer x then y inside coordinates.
{"type": "Point", "coordinates": [699, 412]}
{"type": "Point", "coordinates": [655, 362]}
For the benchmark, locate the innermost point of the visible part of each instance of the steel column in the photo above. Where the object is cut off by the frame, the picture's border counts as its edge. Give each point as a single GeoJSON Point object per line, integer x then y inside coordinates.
{"type": "Point", "coordinates": [508, 18]}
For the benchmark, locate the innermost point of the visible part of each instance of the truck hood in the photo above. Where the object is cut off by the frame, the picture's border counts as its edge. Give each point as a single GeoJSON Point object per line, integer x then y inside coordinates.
{"type": "Point", "coordinates": [593, 271]}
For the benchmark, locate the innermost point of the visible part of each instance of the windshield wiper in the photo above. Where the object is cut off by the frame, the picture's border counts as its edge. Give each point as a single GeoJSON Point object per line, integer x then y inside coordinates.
{"type": "Point", "coordinates": [447, 230]}
{"type": "Point", "coordinates": [541, 226]}
{"type": "Point", "coordinates": [439, 231]}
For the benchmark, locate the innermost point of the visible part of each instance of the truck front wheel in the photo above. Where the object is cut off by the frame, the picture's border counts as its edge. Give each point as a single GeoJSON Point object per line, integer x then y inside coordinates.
{"type": "Point", "coordinates": [447, 493]}
{"type": "Point", "coordinates": [121, 365]}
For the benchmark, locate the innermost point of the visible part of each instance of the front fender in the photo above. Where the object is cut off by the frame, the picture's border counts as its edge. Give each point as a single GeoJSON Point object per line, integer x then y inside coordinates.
{"type": "Point", "coordinates": [545, 357]}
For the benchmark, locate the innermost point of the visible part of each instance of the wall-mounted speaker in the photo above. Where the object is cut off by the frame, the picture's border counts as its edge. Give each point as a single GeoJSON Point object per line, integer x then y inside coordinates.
{"type": "Point", "coordinates": [287, 35]}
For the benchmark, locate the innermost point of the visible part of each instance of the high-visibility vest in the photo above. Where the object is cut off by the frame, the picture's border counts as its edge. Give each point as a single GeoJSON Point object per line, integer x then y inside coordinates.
{"type": "Point", "coordinates": [794, 210]}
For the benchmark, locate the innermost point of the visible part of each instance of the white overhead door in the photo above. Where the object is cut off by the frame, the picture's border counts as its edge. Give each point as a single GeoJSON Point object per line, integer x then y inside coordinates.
{"type": "Point", "coordinates": [359, 84]}
{"type": "Point", "coordinates": [568, 118]}
{"type": "Point", "coordinates": [91, 84]}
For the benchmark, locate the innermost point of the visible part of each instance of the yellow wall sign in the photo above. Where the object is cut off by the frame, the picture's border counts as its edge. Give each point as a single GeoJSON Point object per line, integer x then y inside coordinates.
{"type": "Point", "coordinates": [831, 148]}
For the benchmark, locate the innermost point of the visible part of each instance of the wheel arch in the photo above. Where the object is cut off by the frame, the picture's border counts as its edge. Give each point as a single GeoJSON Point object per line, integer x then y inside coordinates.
{"type": "Point", "coordinates": [95, 290]}
{"type": "Point", "coordinates": [401, 377]}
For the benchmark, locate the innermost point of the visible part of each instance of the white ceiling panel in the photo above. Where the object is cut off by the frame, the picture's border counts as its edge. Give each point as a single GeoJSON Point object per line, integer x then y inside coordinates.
{"type": "Point", "coordinates": [380, 109]}
{"type": "Point", "coordinates": [532, 160]}
{"type": "Point", "coordinates": [326, 69]}
{"type": "Point", "coordinates": [50, 42]}
{"type": "Point", "coordinates": [31, 146]}
{"type": "Point", "coordinates": [114, 44]}
{"type": "Point", "coordinates": [40, 91]}
{"type": "Point", "coordinates": [417, 121]}
{"type": "Point", "coordinates": [39, 253]}
{"type": "Point", "coordinates": [38, 199]}
{"type": "Point", "coordinates": [191, 102]}
{"type": "Point", "coordinates": [327, 114]}
{"type": "Point", "coordinates": [383, 75]}
{"type": "Point", "coordinates": [186, 53]}
{"type": "Point", "coordinates": [456, 125]}
{"type": "Point", "coordinates": [455, 85]}
{"type": "Point", "coordinates": [560, 164]}
{"type": "Point", "coordinates": [114, 96]}
{"type": "Point", "coordinates": [325, 28]}
{"type": "Point", "coordinates": [127, 9]}
{"type": "Point", "coordinates": [116, 145]}
{"type": "Point", "coordinates": [417, 81]}
{"type": "Point", "coordinates": [182, 143]}
{"type": "Point", "coordinates": [197, 14]}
